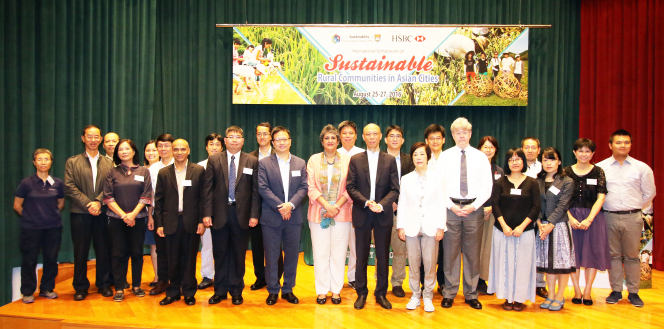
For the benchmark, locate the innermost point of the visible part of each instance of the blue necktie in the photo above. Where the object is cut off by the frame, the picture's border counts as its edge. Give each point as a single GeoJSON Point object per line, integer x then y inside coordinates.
{"type": "Point", "coordinates": [231, 179]}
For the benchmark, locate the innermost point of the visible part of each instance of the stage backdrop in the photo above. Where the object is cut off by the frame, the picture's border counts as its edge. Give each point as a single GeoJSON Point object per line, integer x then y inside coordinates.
{"type": "Point", "coordinates": [142, 68]}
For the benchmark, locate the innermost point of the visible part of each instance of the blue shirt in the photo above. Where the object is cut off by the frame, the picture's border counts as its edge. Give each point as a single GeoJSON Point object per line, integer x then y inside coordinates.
{"type": "Point", "coordinates": [40, 204]}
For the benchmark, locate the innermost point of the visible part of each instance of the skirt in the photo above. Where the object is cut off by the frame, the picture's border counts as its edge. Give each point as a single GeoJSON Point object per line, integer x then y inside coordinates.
{"type": "Point", "coordinates": [512, 272]}
{"type": "Point", "coordinates": [592, 245]}
{"type": "Point", "coordinates": [555, 254]}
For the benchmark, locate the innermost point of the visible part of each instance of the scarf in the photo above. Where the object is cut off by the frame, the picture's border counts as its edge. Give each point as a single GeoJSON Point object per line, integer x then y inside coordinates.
{"type": "Point", "coordinates": [329, 192]}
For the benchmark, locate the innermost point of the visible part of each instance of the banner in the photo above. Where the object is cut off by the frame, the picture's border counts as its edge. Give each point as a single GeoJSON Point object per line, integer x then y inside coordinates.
{"type": "Point", "coordinates": [381, 65]}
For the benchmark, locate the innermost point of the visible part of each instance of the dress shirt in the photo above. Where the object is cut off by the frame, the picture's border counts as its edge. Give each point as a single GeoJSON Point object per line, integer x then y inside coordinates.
{"type": "Point", "coordinates": [93, 164]}
{"type": "Point", "coordinates": [631, 186]}
{"type": "Point", "coordinates": [436, 163]}
{"type": "Point", "coordinates": [480, 180]}
{"type": "Point", "coordinates": [179, 177]}
{"type": "Point", "coordinates": [203, 163]}
{"type": "Point", "coordinates": [237, 168]}
{"type": "Point", "coordinates": [284, 168]}
{"type": "Point", "coordinates": [353, 151]}
{"type": "Point", "coordinates": [261, 155]}
{"type": "Point", "coordinates": [373, 171]}
{"type": "Point", "coordinates": [534, 169]}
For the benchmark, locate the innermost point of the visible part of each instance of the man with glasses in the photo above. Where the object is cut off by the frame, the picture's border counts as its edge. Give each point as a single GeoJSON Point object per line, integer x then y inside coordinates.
{"type": "Point", "coordinates": [434, 136]}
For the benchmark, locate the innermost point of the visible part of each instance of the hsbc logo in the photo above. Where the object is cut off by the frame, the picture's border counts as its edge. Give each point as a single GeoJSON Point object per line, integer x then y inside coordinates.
{"type": "Point", "coordinates": [408, 38]}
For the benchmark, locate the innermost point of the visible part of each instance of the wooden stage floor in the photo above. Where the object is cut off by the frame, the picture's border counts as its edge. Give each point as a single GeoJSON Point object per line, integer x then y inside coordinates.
{"type": "Point", "coordinates": [134, 312]}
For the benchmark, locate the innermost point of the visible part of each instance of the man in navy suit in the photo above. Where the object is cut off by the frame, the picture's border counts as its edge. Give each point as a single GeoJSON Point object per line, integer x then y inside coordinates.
{"type": "Point", "coordinates": [282, 183]}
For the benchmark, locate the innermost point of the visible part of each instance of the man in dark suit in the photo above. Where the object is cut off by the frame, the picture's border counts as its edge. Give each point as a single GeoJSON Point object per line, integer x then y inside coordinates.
{"type": "Point", "coordinates": [373, 184]}
{"type": "Point", "coordinates": [282, 182]}
{"type": "Point", "coordinates": [231, 206]}
{"type": "Point", "coordinates": [179, 219]}
{"type": "Point", "coordinates": [263, 138]}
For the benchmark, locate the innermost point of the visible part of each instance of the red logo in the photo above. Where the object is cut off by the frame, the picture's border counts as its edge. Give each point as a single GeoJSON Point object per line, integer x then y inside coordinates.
{"type": "Point", "coordinates": [420, 38]}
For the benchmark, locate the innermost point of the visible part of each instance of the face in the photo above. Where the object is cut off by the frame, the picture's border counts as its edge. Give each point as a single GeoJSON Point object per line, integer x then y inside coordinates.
{"type": "Point", "coordinates": [125, 152]}
{"type": "Point", "coordinates": [268, 45]}
{"type": "Point", "coordinates": [488, 149]}
{"type": "Point", "coordinates": [435, 141]}
{"type": "Point", "coordinates": [151, 153]}
{"type": "Point", "coordinates": [213, 147]}
{"type": "Point", "coordinates": [372, 136]}
{"type": "Point", "coordinates": [234, 141]}
{"type": "Point", "coordinates": [515, 163]}
{"type": "Point", "coordinates": [165, 149]}
{"type": "Point", "coordinates": [110, 141]}
{"type": "Point", "coordinates": [621, 145]}
{"type": "Point", "coordinates": [43, 162]}
{"type": "Point", "coordinates": [531, 149]}
{"type": "Point", "coordinates": [462, 137]}
{"type": "Point", "coordinates": [505, 55]}
{"type": "Point", "coordinates": [420, 158]}
{"type": "Point", "coordinates": [92, 138]}
{"type": "Point", "coordinates": [495, 55]}
{"type": "Point", "coordinates": [583, 155]}
{"type": "Point", "coordinates": [282, 142]}
{"type": "Point", "coordinates": [394, 139]}
{"type": "Point", "coordinates": [236, 45]}
{"type": "Point", "coordinates": [483, 56]}
{"type": "Point", "coordinates": [330, 142]}
{"type": "Point", "coordinates": [348, 137]}
{"type": "Point", "coordinates": [180, 150]}
{"type": "Point", "coordinates": [263, 136]}
{"type": "Point", "coordinates": [551, 165]}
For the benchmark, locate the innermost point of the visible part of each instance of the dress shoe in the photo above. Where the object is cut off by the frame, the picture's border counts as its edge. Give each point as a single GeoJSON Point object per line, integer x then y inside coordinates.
{"type": "Point", "coordinates": [152, 284]}
{"type": "Point", "coordinates": [237, 300]}
{"type": "Point", "coordinates": [138, 292]}
{"type": "Point", "coordinates": [336, 301]}
{"type": "Point", "coordinates": [205, 283]}
{"type": "Point", "coordinates": [614, 297]}
{"type": "Point", "coordinates": [576, 300]}
{"type": "Point", "coordinates": [398, 291]}
{"type": "Point", "coordinates": [106, 292]}
{"type": "Point", "coordinates": [259, 284]}
{"type": "Point", "coordinates": [119, 296]}
{"type": "Point", "coordinates": [548, 301]}
{"type": "Point", "coordinates": [474, 303]}
{"type": "Point", "coordinates": [80, 295]}
{"type": "Point", "coordinates": [190, 301]}
{"type": "Point", "coordinates": [126, 285]}
{"type": "Point", "coordinates": [383, 302]}
{"type": "Point", "coordinates": [168, 300]}
{"type": "Point", "coordinates": [440, 289]}
{"type": "Point", "coordinates": [271, 299]}
{"type": "Point", "coordinates": [216, 299]}
{"type": "Point", "coordinates": [351, 284]}
{"type": "Point", "coordinates": [508, 306]}
{"type": "Point", "coordinates": [558, 307]}
{"type": "Point", "coordinates": [290, 297]}
{"type": "Point", "coordinates": [482, 288]}
{"type": "Point", "coordinates": [519, 306]}
{"type": "Point", "coordinates": [159, 288]}
{"type": "Point", "coordinates": [447, 302]}
{"type": "Point", "coordinates": [321, 301]}
{"type": "Point", "coordinates": [541, 291]}
{"type": "Point", "coordinates": [635, 300]}
{"type": "Point", "coordinates": [359, 303]}
{"type": "Point", "coordinates": [587, 302]}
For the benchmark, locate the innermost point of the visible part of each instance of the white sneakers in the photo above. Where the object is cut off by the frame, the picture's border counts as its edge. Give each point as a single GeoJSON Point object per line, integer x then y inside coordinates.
{"type": "Point", "coordinates": [414, 303]}
{"type": "Point", "coordinates": [428, 305]}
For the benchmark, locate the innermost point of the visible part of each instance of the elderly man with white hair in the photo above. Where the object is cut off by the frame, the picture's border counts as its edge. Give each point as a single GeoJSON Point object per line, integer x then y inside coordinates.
{"type": "Point", "coordinates": [469, 185]}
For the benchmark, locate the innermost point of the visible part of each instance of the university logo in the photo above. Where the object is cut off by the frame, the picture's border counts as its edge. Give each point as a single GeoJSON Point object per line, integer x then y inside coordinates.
{"type": "Point", "coordinates": [377, 36]}
{"type": "Point", "coordinates": [336, 38]}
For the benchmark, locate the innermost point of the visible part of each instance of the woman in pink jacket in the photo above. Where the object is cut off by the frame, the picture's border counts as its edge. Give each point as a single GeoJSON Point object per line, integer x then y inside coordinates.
{"type": "Point", "coordinates": [329, 215]}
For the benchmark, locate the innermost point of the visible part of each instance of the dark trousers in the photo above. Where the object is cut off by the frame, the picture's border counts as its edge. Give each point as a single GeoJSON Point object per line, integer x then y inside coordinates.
{"type": "Point", "coordinates": [86, 228]}
{"type": "Point", "coordinates": [126, 239]}
{"type": "Point", "coordinates": [162, 256]}
{"type": "Point", "coordinates": [440, 271]}
{"type": "Point", "coordinates": [229, 249]}
{"type": "Point", "coordinates": [258, 254]}
{"type": "Point", "coordinates": [286, 236]}
{"type": "Point", "coordinates": [182, 249]}
{"type": "Point", "coordinates": [31, 242]}
{"type": "Point", "coordinates": [382, 236]}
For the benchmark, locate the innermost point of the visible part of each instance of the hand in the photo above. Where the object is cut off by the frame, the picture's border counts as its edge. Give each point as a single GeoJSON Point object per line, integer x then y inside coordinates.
{"type": "Point", "coordinates": [507, 230]}
{"type": "Point", "coordinates": [574, 223]}
{"type": "Point", "coordinates": [517, 231]}
{"type": "Point", "coordinates": [468, 209]}
{"type": "Point", "coordinates": [327, 215]}
{"type": "Point", "coordinates": [286, 216]}
{"type": "Point", "coordinates": [402, 234]}
{"type": "Point", "coordinates": [151, 224]}
{"type": "Point", "coordinates": [207, 221]}
{"type": "Point", "coordinates": [457, 211]}
{"type": "Point", "coordinates": [332, 210]}
{"type": "Point", "coordinates": [487, 212]}
{"type": "Point", "coordinates": [439, 234]}
{"type": "Point", "coordinates": [285, 208]}
{"type": "Point", "coordinates": [545, 230]}
{"type": "Point", "coordinates": [129, 217]}
{"type": "Point", "coordinates": [201, 229]}
{"type": "Point", "coordinates": [160, 232]}
{"type": "Point", "coordinates": [375, 207]}
{"type": "Point", "coordinates": [394, 206]}
{"type": "Point", "coordinates": [94, 208]}
{"type": "Point", "coordinates": [585, 224]}
{"type": "Point", "coordinates": [253, 222]}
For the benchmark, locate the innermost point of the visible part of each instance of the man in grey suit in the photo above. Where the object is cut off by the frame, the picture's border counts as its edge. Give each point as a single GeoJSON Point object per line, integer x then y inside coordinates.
{"type": "Point", "coordinates": [282, 183]}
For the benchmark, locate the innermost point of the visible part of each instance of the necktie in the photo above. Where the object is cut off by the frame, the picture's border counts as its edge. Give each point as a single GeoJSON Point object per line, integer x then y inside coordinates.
{"type": "Point", "coordinates": [463, 186]}
{"type": "Point", "coordinates": [231, 179]}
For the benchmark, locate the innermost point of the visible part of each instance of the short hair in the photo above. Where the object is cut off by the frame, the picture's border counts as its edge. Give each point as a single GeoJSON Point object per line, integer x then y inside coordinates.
{"type": "Point", "coordinates": [393, 127]}
{"type": "Point", "coordinates": [347, 123]}
{"type": "Point", "coordinates": [620, 132]}
{"type": "Point", "coordinates": [530, 138]}
{"type": "Point", "coordinates": [212, 137]}
{"type": "Point", "coordinates": [461, 123]}
{"type": "Point", "coordinates": [434, 128]}
{"type": "Point", "coordinates": [234, 129]}
{"type": "Point", "coordinates": [116, 157]}
{"type": "Point", "coordinates": [42, 151]}
{"type": "Point", "coordinates": [237, 41]}
{"type": "Point", "coordinates": [278, 129]}
{"type": "Point", "coordinates": [552, 153]}
{"type": "Point", "coordinates": [145, 158]}
{"type": "Point", "coordinates": [581, 142]}
{"type": "Point", "coordinates": [88, 127]}
{"type": "Point", "coordinates": [110, 132]}
{"type": "Point", "coordinates": [264, 124]}
{"type": "Point", "coordinates": [417, 145]}
{"type": "Point", "coordinates": [510, 153]}
{"type": "Point", "coordinates": [491, 140]}
{"type": "Point", "coordinates": [164, 138]}
{"type": "Point", "coordinates": [329, 129]}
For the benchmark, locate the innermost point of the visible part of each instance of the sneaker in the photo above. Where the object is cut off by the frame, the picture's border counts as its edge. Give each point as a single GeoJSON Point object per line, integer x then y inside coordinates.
{"type": "Point", "coordinates": [28, 299]}
{"type": "Point", "coordinates": [614, 297]}
{"type": "Point", "coordinates": [48, 294]}
{"type": "Point", "coordinates": [138, 292]}
{"type": "Point", "coordinates": [635, 300]}
{"type": "Point", "coordinates": [413, 303]}
{"type": "Point", "coordinates": [428, 305]}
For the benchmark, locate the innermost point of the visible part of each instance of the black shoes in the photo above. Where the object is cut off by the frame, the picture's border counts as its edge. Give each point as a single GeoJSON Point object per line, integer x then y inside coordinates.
{"type": "Point", "coordinates": [398, 291]}
{"type": "Point", "coordinates": [216, 299]}
{"type": "Point", "coordinates": [237, 300]}
{"type": "Point", "coordinates": [440, 289]}
{"type": "Point", "coordinates": [80, 295]}
{"type": "Point", "coordinates": [271, 299]}
{"type": "Point", "coordinates": [577, 300]}
{"type": "Point", "coordinates": [259, 284]}
{"type": "Point", "coordinates": [474, 303]}
{"type": "Point", "coordinates": [159, 288]}
{"type": "Point", "coordinates": [290, 298]}
{"type": "Point", "coordinates": [336, 301]}
{"type": "Point", "coordinates": [169, 300]}
{"type": "Point", "coordinates": [351, 284]}
{"type": "Point", "coordinates": [482, 288]}
{"type": "Point", "coordinates": [541, 291]}
{"type": "Point", "coordinates": [106, 292]}
{"type": "Point", "coordinates": [119, 296]}
{"type": "Point", "coordinates": [138, 292]}
{"type": "Point", "coordinates": [447, 302]}
{"type": "Point", "coordinates": [321, 301]}
{"type": "Point", "coordinates": [359, 303]}
{"type": "Point", "coordinates": [383, 302]}
{"type": "Point", "coordinates": [205, 283]}
{"type": "Point", "coordinates": [190, 301]}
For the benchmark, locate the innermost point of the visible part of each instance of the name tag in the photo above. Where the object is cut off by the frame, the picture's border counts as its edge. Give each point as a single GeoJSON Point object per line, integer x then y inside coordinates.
{"type": "Point", "coordinates": [295, 173]}
{"type": "Point", "coordinates": [247, 171]}
{"type": "Point", "coordinates": [554, 190]}
{"type": "Point", "coordinates": [515, 191]}
{"type": "Point", "coordinates": [591, 181]}
{"type": "Point", "coordinates": [186, 182]}
{"type": "Point", "coordinates": [497, 176]}
{"type": "Point", "coordinates": [139, 178]}
{"type": "Point", "coordinates": [50, 180]}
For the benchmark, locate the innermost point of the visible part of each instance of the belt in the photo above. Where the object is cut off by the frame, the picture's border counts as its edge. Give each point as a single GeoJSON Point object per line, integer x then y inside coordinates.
{"type": "Point", "coordinates": [624, 212]}
{"type": "Point", "coordinates": [231, 203]}
{"type": "Point", "coordinates": [463, 201]}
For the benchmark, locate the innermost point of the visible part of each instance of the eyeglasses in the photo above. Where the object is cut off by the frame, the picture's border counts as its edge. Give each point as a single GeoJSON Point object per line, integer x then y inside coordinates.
{"type": "Point", "coordinates": [435, 139]}
{"type": "Point", "coordinates": [516, 160]}
{"type": "Point", "coordinates": [281, 140]}
{"type": "Point", "coordinates": [394, 136]}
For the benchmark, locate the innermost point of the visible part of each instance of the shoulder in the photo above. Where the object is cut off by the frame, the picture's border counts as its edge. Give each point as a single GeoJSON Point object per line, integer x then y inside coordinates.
{"type": "Point", "coordinates": [58, 181]}
{"type": "Point", "coordinates": [298, 161]}
{"type": "Point", "coordinates": [605, 163]}
{"type": "Point", "coordinates": [250, 157]}
{"type": "Point", "coordinates": [74, 158]}
{"type": "Point", "coordinates": [358, 156]}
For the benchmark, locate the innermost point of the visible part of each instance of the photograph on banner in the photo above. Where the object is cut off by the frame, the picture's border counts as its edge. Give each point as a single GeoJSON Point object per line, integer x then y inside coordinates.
{"type": "Point", "coordinates": [448, 66]}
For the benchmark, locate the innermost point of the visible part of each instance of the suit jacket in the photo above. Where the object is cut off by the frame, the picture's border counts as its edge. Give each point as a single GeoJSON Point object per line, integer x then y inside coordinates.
{"type": "Point", "coordinates": [271, 189]}
{"type": "Point", "coordinates": [313, 175]}
{"type": "Point", "coordinates": [166, 198]}
{"type": "Point", "coordinates": [358, 185]}
{"type": "Point", "coordinates": [78, 181]}
{"type": "Point", "coordinates": [407, 165]}
{"type": "Point", "coordinates": [247, 198]}
{"type": "Point", "coordinates": [255, 153]}
{"type": "Point", "coordinates": [422, 208]}
{"type": "Point", "coordinates": [555, 205]}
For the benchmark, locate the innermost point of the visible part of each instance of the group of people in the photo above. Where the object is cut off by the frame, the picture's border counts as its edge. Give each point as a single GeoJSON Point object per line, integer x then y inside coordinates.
{"type": "Point", "coordinates": [254, 63]}
{"type": "Point", "coordinates": [507, 65]}
{"type": "Point", "coordinates": [432, 207]}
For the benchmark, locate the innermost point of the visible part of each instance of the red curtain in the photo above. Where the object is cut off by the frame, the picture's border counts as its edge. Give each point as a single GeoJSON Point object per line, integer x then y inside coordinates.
{"type": "Point", "coordinates": [622, 85]}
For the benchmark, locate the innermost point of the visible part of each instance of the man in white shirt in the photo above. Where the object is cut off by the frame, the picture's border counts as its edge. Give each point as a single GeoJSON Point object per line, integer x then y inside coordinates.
{"type": "Point", "coordinates": [434, 136]}
{"type": "Point", "coordinates": [631, 186]}
{"type": "Point", "coordinates": [469, 185]}
{"type": "Point", "coordinates": [348, 131]}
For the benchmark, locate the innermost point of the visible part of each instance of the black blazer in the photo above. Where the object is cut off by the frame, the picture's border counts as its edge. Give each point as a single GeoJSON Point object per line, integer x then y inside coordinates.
{"type": "Point", "coordinates": [358, 185]}
{"type": "Point", "coordinates": [166, 199]}
{"type": "Point", "coordinates": [407, 165]}
{"type": "Point", "coordinates": [248, 200]}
